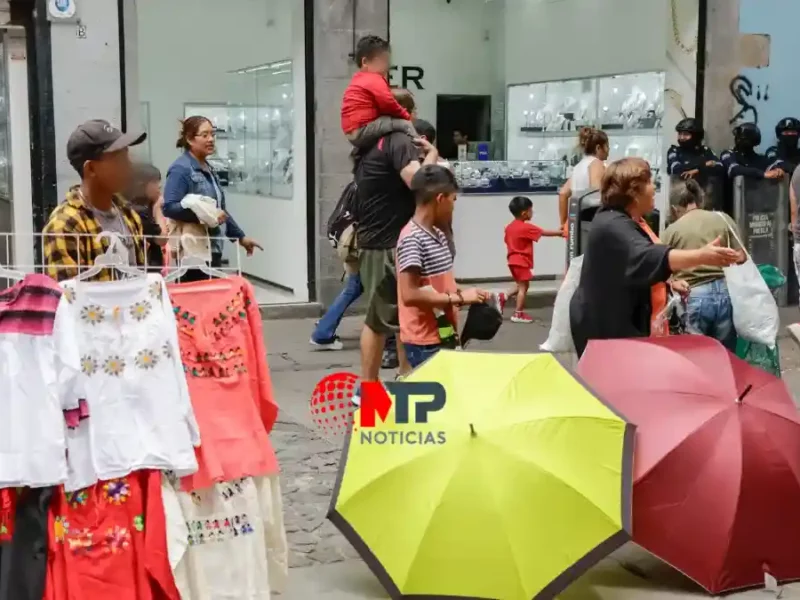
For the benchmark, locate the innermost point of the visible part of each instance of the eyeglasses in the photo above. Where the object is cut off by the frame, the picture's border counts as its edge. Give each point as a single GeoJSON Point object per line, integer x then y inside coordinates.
{"type": "Point", "coordinates": [206, 135]}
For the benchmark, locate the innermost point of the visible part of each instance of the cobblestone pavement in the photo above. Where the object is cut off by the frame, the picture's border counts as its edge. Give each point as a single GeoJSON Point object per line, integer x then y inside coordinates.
{"type": "Point", "coordinates": [310, 461]}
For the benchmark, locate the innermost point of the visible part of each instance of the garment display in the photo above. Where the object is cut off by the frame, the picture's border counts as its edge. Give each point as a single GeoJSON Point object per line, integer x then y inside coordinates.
{"type": "Point", "coordinates": [223, 354]}
{"type": "Point", "coordinates": [239, 524]}
{"type": "Point", "coordinates": [107, 390]}
{"type": "Point", "coordinates": [31, 419]}
{"type": "Point", "coordinates": [109, 541]}
{"type": "Point", "coordinates": [120, 344]}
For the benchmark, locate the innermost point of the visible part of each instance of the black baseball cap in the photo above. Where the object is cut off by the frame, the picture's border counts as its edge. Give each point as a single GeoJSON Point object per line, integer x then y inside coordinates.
{"type": "Point", "coordinates": [94, 138]}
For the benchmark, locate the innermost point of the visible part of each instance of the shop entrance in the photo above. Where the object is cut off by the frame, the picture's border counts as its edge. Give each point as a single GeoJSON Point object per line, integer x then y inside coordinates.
{"type": "Point", "coordinates": [469, 114]}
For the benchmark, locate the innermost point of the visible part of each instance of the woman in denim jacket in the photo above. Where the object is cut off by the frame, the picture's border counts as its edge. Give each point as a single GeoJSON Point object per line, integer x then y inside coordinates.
{"type": "Point", "coordinates": [191, 174]}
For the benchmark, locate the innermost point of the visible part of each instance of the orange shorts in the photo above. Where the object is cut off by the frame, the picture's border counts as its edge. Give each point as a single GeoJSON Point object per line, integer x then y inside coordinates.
{"type": "Point", "coordinates": [520, 273]}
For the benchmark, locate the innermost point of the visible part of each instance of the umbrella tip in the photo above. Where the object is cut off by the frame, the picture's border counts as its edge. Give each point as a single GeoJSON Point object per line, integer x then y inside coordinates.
{"type": "Point", "coordinates": [744, 393]}
{"type": "Point", "coordinates": [472, 430]}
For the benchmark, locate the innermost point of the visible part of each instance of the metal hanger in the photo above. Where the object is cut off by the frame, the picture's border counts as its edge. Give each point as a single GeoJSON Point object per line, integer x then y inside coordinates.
{"type": "Point", "coordinates": [193, 262]}
{"type": "Point", "coordinates": [115, 257]}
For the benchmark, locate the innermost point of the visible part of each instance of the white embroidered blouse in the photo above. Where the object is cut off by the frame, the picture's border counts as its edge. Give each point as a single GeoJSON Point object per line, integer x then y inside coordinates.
{"type": "Point", "coordinates": [120, 339]}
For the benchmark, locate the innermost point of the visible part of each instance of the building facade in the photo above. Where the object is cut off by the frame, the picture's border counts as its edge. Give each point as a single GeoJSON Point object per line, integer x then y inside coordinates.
{"type": "Point", "coordinates": [270, 76]}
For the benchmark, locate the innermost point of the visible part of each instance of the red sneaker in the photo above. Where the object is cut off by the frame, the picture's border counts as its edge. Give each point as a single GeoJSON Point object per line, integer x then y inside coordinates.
{"type": "Point", "coordinates": [521, 317]}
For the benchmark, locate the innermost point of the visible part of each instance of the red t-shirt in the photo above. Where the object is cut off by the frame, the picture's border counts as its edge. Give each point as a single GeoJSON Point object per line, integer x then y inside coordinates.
{"type": "Point", "coordinates": [520, 237]}
{"type": "Point", "coordinates": [366, 98]}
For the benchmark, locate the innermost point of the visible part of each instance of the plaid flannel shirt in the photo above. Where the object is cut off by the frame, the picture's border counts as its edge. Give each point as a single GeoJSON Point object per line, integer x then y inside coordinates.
{"type": "Point", "coordinates": [70, 238]}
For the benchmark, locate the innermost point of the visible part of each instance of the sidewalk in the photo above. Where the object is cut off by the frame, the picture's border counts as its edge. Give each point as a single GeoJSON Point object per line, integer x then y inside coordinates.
{"type": "Point", "coordinates": [324, 566]}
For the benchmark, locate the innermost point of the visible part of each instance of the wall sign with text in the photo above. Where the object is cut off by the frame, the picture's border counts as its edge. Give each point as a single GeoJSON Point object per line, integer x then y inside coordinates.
{"type": "Point", "coordinates": [402, 77]}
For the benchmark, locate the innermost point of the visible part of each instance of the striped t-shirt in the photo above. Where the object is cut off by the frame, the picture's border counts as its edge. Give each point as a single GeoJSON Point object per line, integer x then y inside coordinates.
{"type": "Point", "coordinates": [428, 253]}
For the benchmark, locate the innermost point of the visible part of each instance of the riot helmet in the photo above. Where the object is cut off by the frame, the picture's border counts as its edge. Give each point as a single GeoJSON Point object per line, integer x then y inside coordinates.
{"type": "Point", "coordinates": [690, 134]}
{"type": "Point", "coordinates": [746, 137]}
{"type": "Point", "coordinates": [788, 132]}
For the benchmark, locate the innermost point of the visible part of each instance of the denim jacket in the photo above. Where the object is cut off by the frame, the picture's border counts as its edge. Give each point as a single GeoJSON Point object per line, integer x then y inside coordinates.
{"type": "Point", "coordinates": [186, 176]}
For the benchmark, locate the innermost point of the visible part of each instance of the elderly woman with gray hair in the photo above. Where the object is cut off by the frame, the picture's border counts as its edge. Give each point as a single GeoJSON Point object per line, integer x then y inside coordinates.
{"type": "Point", "coordinates": [709, 305]}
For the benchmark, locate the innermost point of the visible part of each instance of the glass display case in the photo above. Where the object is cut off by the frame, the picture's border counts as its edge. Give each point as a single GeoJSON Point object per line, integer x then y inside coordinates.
{"type": "Point", "coordinates": [255, 131]}
{"type": "Point", "coordinates": [510, 177]}
{"type": "Point", "coordinates": [544, 118]}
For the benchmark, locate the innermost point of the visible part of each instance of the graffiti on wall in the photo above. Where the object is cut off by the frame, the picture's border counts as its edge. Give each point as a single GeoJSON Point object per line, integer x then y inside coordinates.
{"type": "Point", "coordinates": [747, 96]}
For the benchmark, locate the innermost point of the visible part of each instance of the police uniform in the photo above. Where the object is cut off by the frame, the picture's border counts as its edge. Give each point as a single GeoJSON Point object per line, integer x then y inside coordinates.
{"type": "Point", "coordinates": [785, 155]}
{"type": "Point", "coordinates": [743, 158]}
{"type": "Point", "coordinates": [691, 154]}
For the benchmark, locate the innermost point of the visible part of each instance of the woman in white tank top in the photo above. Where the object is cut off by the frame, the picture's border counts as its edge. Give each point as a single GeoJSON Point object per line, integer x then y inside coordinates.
{"type": "Point", "coordinates": [588, 173]}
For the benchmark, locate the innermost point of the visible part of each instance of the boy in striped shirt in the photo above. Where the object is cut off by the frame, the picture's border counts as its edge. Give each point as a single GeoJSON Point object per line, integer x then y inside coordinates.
{"type": "Point", "coordinates": [425, 280]}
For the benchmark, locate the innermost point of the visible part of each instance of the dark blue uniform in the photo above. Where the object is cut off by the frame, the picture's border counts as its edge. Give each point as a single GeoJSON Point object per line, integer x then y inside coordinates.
{"type": "Point", "coordinates": [786, 161]}
{"type": "Point", "coordinates": [680, 160]}
{"type": "Point", "coordinates": [746, 163]}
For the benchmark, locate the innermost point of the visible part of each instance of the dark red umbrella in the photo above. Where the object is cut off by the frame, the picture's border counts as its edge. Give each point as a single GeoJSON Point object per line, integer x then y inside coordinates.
{"type": "Point", "coordinates": [717, 460]}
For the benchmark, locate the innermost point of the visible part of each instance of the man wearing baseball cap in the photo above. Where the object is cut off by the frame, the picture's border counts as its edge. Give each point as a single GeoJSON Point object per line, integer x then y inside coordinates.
{"type": "Point", "coordinates": [98, 151]}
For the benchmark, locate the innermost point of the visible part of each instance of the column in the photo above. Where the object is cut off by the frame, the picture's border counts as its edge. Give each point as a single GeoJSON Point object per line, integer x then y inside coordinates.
{"type": "Point", "coordinates": [722, 65]}
{"type": "Point", "coordinates": [336, 24]}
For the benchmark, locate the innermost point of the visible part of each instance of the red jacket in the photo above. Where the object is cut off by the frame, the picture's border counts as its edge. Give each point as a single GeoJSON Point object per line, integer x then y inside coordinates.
{"type": "Point", "coordinates": [366, 98]}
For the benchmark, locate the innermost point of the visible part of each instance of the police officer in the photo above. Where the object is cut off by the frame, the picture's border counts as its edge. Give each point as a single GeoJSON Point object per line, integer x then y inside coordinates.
{"type": "Point", "coordinates": [786, 154]}
{"type": "Point", "coordinates": [744, 160]}
{"type": "Point", "coordinates": [690, 158]}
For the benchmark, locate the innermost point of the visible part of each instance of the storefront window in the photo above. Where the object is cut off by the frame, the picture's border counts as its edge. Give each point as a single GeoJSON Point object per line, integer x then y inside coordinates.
{"type": "Point", "coordinates": [508, 84]}
{"type": "Point", "coordinates": [246, 75]}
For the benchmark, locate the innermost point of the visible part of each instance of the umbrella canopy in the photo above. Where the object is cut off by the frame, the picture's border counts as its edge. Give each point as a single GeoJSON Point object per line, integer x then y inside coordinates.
{"type": "Point", "coordinates": [717, 464]}
{"type": "Point", "coordinates": [512, 490]}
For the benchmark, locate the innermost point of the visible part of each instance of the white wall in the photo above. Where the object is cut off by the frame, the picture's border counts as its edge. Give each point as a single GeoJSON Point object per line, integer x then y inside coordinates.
{"type": "Point", "coordinates": [570, 39]}
{"type": "Point", "coordinates": [231, 35]}
{"type": "Point", "coordinates": [86, 81]}
{"type": "Point", "coordinates": [459, 45]}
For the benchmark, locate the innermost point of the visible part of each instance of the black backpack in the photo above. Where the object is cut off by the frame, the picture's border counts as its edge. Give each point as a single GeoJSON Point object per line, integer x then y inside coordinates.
{"type": "Point", "coordinates": [342, 224]}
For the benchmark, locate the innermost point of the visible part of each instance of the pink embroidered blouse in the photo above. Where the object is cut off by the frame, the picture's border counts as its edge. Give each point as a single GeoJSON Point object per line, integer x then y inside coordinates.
{"type": "Point", "coordinates": [225, 360]}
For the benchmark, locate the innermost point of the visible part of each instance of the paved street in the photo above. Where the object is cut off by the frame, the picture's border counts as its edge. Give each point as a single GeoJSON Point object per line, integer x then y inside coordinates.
{"type": "Point", "coordinates": [324, 566]}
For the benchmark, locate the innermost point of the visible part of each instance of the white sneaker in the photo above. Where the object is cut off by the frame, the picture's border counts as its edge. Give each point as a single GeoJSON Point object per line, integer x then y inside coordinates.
{"type": "Point", "coordinates": [334, 344]}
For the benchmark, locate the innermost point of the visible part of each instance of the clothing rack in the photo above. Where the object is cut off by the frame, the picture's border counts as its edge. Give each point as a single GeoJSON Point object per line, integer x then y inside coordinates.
{"type": "Point", "coordinates": [17, 252]}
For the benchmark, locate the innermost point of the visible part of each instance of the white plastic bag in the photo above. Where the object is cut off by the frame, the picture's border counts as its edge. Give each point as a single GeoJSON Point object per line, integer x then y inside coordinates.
{"type": "Point", "coordinates": [560, 337]}
{"type": "Point", "coordinates": [755, 312]}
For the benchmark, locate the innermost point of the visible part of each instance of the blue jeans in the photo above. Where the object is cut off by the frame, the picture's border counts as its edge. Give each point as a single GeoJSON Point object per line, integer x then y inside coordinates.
{"type": "Point", "coordinates": [325, 331]}
{"type": "Point", "coordinates": [417, 354]}
{"type": "Point", "coordinates": [710, 313]}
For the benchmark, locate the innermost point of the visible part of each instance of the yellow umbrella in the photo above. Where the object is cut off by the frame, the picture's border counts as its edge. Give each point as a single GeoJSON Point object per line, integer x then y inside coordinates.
{"type": "Point", "coordinates": [516, 487]}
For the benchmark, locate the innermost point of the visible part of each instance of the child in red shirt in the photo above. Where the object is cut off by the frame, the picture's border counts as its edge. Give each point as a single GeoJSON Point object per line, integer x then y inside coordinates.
{"type": "Point", "coordinates": [369, 109]}
{"type": "Point", "coordinates": [520, 237]}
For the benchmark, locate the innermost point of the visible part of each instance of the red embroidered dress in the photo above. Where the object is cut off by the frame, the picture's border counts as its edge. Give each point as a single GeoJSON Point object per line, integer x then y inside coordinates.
{"type": "Point", "coordinates": [223, 354]}
{"type": "Point", "coordinates": [110, 541]}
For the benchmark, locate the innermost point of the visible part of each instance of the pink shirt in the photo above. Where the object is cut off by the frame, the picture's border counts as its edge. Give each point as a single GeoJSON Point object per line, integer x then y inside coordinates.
{"type": "Point", "coordinates": [223, 354]}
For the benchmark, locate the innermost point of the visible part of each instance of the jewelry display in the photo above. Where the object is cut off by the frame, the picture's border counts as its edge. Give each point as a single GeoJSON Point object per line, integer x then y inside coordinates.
{"type": "Point", "coordinates": [544, 118]}
{"type": "Point", "coordinates": [501, 177]}
{"type": "Point", "coordinates": [255, 139]}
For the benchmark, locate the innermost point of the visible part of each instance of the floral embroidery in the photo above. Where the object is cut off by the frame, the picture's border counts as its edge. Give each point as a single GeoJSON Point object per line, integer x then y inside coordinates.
{"type": "Point", "coordinates": [92, 314]}
{"type": "Point", "coordinates": [80, 541]}
{"type": "Point", "coordinates": [68, 293]}
{"type": "Point", "coordinates": [89, 365]}
{"type": "Point", "coordinates": [114, 365]}
{"type": "Point", "coordinates": [166, 350]}
{"type": "Point", "coordinates": [77, 499]}
{"type": "Point", "coordinates": [61, 528]}
{"type": "Point", "coordinates": [207, 531]}
{"type": "Point", "coordinates": [117, 491]}
{"type": "Point", "coordinates": [146, 359]}
{"type": "Point", "coordinates": [138, 523]}
{"type": "Point", "coordinates": [141, 310]}
{"type": "Point", "coordinates": [117, 539]}
{"type": "Point", "coordinates": [156, 290]}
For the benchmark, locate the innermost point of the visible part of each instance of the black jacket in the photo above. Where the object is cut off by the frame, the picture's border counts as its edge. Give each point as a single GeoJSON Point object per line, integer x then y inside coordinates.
{"type": "Point", "coordinates": [620, 266]}
{"type": "Point", "coordinates": [155, 255]}
{"type": "Point", "coordinates": [680, 160]}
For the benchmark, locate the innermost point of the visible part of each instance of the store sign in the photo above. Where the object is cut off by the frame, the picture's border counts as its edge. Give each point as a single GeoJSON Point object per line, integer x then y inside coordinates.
{"type": "Point", "coordinates": [402, 77]}
{"type": "Point", "coordinates": [61, 9]}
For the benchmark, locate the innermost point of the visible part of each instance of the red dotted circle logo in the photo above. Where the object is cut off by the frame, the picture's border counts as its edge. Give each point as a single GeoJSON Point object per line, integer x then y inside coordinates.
{"type": "Point", "coordinates": [331, 407]}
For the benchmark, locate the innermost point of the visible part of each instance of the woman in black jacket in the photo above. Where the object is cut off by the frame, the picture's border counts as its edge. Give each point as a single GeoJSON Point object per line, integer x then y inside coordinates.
{"type": "Point", "coordinates": [621, 262]}
{"type": "Point", "coordinates": [144, 196]}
